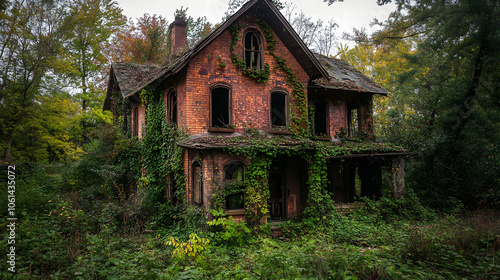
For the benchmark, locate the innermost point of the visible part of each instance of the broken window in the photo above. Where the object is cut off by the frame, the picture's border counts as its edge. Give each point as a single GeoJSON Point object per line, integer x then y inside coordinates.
{"type": "Point", "coordinates": [321, 118]}
{"type": "Point", "coordinates": [278, 109]}
{"type": "Point", "coordinates": [197, 184]}
{"type": "Point", "coordinates": [353, 120]}
{"type": "Point", "coordinates": [234, 173]}
{"type": "Point", "coordinates": [253, 50]}
{"type": "Point", "coordinates": [220, 107]}
{"type": "Point", "coordinates": [135, 121]}
{"type": "Point", "coordinates": [172, 106]}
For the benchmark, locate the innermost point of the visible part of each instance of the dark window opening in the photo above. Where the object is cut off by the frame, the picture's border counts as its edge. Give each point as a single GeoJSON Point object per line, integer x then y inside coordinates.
{"type": "Point", "coordinates": [172, 107]}
{"type": "Point", "coordinates": [220, 107]}
{"type": "Point", "coordinates": [253, 51]}
{"type": "Point", "coordinates": [278, 109]}
{"type": "Point", "coordinates": [234, 173]}
{"type": "Point", "coordinates": [135, 121]}
{"type": "Point", "coordinates": [353, 120]}
{"type": "Point", "coordinates": [197, 184]}
{"type": "Point", "coordinates": [321, 118]}
{"type": "Point", "coordinates": [170, 192]}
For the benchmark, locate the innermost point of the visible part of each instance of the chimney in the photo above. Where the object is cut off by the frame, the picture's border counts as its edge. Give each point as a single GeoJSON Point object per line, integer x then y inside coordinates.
{"type": "Point", "coordinates": [178, 36]}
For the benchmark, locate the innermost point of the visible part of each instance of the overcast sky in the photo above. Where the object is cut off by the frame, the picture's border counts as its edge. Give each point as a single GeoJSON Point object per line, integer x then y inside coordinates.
{"type": "Point", "coordinates": [348, 14]}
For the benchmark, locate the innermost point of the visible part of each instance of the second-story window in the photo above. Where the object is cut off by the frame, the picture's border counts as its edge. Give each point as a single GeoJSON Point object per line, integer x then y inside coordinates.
{"type": "Point", "coordinates": [321, 118]}
{"type": "Point", "coordinates": [220, 113]}
{"type": "Point", "coordinates": [172, 106]}
{"type": "Point", "coordinates": [278, 108]}
{"type": "Point", "coordinates": [135, 121]}
{"type": "Point", "coordinates": [353, 120]}
{"type": "Point", "coordinates": [253, 50]}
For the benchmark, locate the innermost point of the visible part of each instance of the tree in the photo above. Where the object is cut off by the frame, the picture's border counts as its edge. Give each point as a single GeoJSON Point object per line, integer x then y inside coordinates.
{"type": "Point", "coordinates": [91, 24]}
{"type": "Point", "coordinates": [446, 96]}
{"type": "Point", "coordinates": [144, 41]}
{"type": "Point", "coordinates": [31, 32]}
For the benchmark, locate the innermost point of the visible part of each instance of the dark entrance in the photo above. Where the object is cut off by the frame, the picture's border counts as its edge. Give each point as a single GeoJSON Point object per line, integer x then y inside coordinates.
{"type": "Point", "coordinates": [276, 201]}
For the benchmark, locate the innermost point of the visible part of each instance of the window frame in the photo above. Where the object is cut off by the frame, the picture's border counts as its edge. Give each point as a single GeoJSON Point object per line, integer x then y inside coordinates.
{"type": "Point", "coordinates": [228, 181]}
{"type": "Point", "coordinates": [194, 166]}
{"type": "Point", "coordinates": [172, 117]}
{"type": "Point", "coordinates": [229, 102]}
{"type": "Point", "coordinates": [327, 118]}
{"type": "Point", "coordinates": [260, 52]}
{"type": "Point", "coordinates": [135, 122]}
{"type": "Point", "coordinates": [286, 121]}
{"type": "Point", "coordinates": [350, 107]}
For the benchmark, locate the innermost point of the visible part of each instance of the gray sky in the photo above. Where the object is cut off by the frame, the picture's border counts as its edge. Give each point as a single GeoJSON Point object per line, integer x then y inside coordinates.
{"type": "Point", "coordinates": [348, 14]}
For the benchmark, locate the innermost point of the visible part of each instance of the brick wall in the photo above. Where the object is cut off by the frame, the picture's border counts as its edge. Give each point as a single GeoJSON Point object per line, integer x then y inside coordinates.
{"type": "Point", "coordinates": [250, 99]}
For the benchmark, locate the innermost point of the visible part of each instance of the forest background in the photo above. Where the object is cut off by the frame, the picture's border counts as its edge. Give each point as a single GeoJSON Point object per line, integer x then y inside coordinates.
{"type": "Point", "coordinates": [440, 61]}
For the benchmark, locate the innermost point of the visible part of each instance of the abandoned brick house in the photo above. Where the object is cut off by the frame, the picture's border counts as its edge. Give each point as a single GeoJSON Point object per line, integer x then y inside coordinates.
{"type": "Point", "coordinates": [209, 92]}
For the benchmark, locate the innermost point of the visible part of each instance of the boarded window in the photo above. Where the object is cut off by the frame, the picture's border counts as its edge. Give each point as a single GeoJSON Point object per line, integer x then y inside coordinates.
{"type": "Point", "coordinates": [253, 50]}
{"type": "Point", "coordinates": [278, 109]}
{"type": "Point", "coordinates": [172, 106]}
{"type": "Point", "coordinates": [353, 120]}
{"type": "Point", "coordinates": [234, 173]}
{"type": "Point", "coordinates": [220, 107]}
{"type": "Point", "coordinates": [321, 118]}
{"type": "Point", "coordinates": [197, 184]}
{"type": "Point", "coordinates": [135, 121]}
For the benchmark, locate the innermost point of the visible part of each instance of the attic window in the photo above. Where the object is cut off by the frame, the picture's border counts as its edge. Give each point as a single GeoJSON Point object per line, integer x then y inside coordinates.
{"type": "Point", "coordinates": [220, 107]}
{"type": "Point", "coordinates": [321, 118]}
{"type": "Point", "coordinates": [278, 109]}
{"type": "Point", "coordinates": [172, 106]}
{"type": "Point", "coordinates": [253, 50]}
{"type": "Point", "coordinates": [353, 120]}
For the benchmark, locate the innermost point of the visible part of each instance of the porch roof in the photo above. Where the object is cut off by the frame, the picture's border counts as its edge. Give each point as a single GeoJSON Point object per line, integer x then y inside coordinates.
{"type": "Point", "coordinates": [331, 149]}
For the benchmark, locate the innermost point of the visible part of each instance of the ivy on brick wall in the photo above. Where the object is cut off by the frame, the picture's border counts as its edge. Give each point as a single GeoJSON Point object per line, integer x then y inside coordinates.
{"type": "Point", "coordinates": [299, 121]}
{"type": "Point", "coordinates": [161, 155]}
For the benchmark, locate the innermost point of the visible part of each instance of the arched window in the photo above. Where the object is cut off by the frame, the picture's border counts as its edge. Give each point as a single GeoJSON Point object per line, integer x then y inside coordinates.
{"type": "Point", "coordinates": [135, 121]}
{"type": "Point", "coordinates": [321, 118]}
{"type": "Point", "coordinates": [197, 184]}
{"type": "Point", "coordinates": [220, 107]}
{"type": "Point", "coordinates": [172, 106]}
{"type": "Point", "coordinates": [278, 109]}
{"type": "Point", "coordinates": [254, 57]}
{"type": "Point", "coordinates": [353, 120]}
{"type": "Point", "coordinates": [235, 173]}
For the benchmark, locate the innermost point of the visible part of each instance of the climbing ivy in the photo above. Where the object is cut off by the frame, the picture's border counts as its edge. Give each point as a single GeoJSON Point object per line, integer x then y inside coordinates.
{"type": "Point", "coordinates": [299, 105]}
{"type": "Point", "coordinates": [161, 155]}
{"type": "Point", "coordinates": [261, 75]}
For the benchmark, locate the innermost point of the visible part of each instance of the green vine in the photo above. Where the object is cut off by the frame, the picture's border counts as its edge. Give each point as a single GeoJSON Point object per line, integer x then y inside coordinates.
{"type": "Point", "coordinates": [161, 155]}
{"type": "Point", "coordinates": [261, 75]}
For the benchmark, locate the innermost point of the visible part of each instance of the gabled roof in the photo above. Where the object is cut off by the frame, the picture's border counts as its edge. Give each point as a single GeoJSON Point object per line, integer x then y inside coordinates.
{"type": "Point", "coordinates": [130, 76]}
{"type": "Point", "coordinates": [143, 77]}
{"type": "Point", "coordinates": [344, 76]}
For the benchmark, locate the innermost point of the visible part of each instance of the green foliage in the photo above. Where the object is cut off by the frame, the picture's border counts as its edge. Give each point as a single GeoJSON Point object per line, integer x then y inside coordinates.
{"type": "Point", "coordinates": [190, 251]}
{"type": "Point", "coordinates": [440, 64]}
{"type": "Point", "coordinates": [161, 155]}
{"type": "Point", "coordinates": [227, 231]}
{"type": "Point", "coordinates": [261, 75]}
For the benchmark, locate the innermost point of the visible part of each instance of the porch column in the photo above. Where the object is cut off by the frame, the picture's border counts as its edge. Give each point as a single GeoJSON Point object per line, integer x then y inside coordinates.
{"type": "Point", "coordinates": [398, 175]}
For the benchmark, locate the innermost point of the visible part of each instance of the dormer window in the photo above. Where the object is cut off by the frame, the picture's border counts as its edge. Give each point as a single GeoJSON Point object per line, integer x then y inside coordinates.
{"type": "Point", "coordinates": [353, 120]}
{"type": "Point", "coordinates": [321, 118]}
{"type": "Point", "coordinates": [254, 57]}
